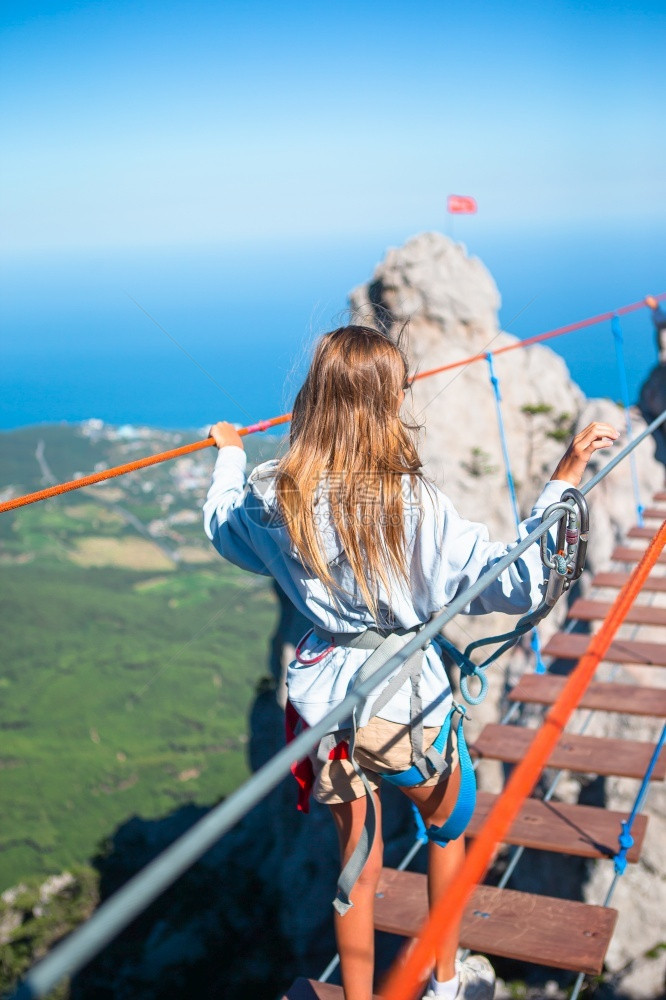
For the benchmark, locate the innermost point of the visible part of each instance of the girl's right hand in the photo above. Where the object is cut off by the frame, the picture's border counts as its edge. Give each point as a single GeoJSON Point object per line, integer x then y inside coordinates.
{"type": "Point", "coordinates": [572, 465]}
{"type": "Point", "coordinates": [224, 434]}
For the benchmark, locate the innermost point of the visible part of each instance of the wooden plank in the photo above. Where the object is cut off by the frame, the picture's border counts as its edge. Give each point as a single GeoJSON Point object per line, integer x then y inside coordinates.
{"type": "Point", "coordinates": [655, 513]}
{"type": "Point", "coordinates": [639, 614]}
{"type": "Point", "coordinates": [517, 925]}
{"type": "Point", "coordinates": [628, 699]}
{"type": "Point", "coordinates": [583, 831]}
{"type": "Point", "coordinates": [625, 554]}
{"type": "Point", "coordinates": [310, 989]}
{"type": "Point", "coordinates": [642, 532]}
{"type": "Point", "coordinates": [587, 754]}
{"type": "Point", "coordinates": [617, 580]}
{"type": "Point", "coordinates": [569, 646]}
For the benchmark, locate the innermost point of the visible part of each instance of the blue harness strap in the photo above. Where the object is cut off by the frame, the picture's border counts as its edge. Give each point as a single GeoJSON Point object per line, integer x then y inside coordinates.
{"type": "Point", "coordinates": [465, 803]}
{"type": "Point", "coordinates": [457, 822]}
{"type": "Point", "coordinates": [413, 776]}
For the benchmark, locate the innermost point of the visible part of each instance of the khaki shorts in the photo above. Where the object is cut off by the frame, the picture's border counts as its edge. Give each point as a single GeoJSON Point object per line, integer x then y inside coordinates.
{"type": "Point", "coordinates": [381, 747]}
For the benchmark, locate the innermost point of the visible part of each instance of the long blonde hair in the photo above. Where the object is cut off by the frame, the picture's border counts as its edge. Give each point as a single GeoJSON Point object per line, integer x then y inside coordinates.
{"type": "Point", "coordinates": [349, 445]}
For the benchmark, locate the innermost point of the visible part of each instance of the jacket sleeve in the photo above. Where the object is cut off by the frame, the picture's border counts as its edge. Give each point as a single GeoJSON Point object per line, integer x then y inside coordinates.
{"type": "Point", "coordinates": [456, 552]}
{"type": "Point", "coordinates": [225, 518]}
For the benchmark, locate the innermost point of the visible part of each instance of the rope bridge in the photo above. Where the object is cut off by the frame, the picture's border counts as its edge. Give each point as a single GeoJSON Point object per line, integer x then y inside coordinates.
{"type": "Point", "coordinates": [117, 912]}
{"type": "Point", "coordinates": [120, 909]}
{"type": "Point", "coordinates": [522, 781]}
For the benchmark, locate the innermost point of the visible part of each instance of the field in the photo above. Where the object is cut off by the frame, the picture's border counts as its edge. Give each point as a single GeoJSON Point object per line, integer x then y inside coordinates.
{"type": "Point", "coordinates": [131, 651]}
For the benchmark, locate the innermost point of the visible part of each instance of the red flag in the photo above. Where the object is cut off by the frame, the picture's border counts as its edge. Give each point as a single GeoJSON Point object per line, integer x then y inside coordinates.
{"type": "Point", "coordinates": [460, 204]}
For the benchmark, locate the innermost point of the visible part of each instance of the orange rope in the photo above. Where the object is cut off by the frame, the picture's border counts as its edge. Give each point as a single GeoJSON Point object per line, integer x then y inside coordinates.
{"type": "Point", "coordinates": [406, 976]}
{"type": "Point", "coordinates": [558, 332]}
{"type": "Point", "coordinates": [262, 425]}
{"type": "Point", "coordinates": [141, 463]}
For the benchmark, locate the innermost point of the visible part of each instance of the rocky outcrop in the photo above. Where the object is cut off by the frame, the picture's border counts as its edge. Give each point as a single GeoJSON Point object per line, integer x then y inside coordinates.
{"type": "Point", "coordinates": [443, 305]}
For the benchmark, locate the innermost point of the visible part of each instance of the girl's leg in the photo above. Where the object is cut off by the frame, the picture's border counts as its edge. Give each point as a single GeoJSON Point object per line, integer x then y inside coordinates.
{"type": "Point", "coordinates": [355, 932]}
{"type": "Point", "coordinates": [435, 805]}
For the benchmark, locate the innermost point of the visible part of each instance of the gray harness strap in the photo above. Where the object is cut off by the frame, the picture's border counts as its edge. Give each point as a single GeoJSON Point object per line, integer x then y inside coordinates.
{"type": "Point", "coordinates": [384, 645]}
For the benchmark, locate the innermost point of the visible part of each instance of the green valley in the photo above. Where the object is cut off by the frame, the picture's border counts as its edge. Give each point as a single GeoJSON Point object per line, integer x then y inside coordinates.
{"type": "Point", "coordinates": [130, 652]}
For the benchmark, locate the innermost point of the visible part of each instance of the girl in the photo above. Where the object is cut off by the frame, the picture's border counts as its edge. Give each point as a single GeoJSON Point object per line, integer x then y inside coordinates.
{"type": "Point", "coordinates": [363, 545]}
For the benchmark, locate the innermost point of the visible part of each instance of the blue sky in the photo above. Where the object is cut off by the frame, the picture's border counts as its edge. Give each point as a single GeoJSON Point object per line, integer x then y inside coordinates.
{"type": "Point", "coordinates": [238, 167]}
{"type": "Point", "coordinates": [147, 123]}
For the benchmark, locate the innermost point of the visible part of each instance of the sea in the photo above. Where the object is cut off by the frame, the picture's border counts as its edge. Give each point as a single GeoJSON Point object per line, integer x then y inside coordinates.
{"type": "Point", "coordinates": [181, 337]}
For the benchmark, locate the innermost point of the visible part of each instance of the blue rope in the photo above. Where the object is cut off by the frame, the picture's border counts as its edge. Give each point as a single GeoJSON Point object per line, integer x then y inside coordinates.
{"type": "Point", "coordinates": [505, 447]}
{"type": "Point", "coordinates": [421, 832]}
{"type": "Point", "coordinates": [539, 666]}
{"type": "Point", "coordinates": [625, 839]}
{"type": "Point", "coordinates": [624, 388]}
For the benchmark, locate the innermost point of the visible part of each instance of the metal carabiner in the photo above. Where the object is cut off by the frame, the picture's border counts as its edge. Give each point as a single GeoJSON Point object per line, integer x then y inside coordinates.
{"type": "Point", "coordinates": [568, 562]}
{"type": "Point", "coordinates": [577, 532]}
{"type": "Point", "coordinates": [552, 562]}
{"type": "Point", "coordinates": [572, 535]}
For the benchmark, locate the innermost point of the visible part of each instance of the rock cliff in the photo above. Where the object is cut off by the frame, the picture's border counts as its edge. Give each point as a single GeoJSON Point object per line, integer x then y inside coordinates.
{"type": "Point", "coordinates": [443, 305]}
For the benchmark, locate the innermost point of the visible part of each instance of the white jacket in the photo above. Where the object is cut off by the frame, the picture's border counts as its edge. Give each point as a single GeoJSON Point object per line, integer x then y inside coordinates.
{"type": "Point", "coordinates": [446, 555]}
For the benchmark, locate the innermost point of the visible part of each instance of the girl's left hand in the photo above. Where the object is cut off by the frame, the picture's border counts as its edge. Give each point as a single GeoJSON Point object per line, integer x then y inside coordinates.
{"type": "Point", "coordinates": [224, 434]}
{"type": "Point", "coordinates": [572, 465]}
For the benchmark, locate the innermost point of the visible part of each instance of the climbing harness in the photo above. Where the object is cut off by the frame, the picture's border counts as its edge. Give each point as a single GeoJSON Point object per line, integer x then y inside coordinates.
{"type": "Point", "coordinates": [383, 645]}
{"type": "Point", "coordinates": [425, 763]}
{"type": "Point", "coordinates": [565, 566]}
{"type": "Point", "coordinates": [315, 659]}
{"type": "Point", "coordinates": [457, 822]}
